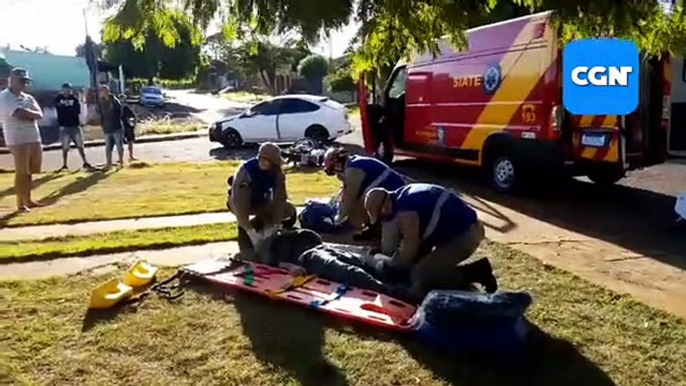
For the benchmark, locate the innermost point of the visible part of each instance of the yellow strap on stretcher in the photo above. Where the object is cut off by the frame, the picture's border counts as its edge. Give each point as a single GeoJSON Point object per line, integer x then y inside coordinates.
{"type": "Point", "coordinates": [298, 281]}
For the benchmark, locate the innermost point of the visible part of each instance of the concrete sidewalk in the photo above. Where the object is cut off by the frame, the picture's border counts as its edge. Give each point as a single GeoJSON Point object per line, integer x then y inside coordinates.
{"type": "Point", "coordinates": [37, 232]}
{"type": "Point", "coordinates": [142, 139]}
{"type": "Point", "coordinates": [100, 264]}
{"type": "Point", "coordinates": [91, 227]}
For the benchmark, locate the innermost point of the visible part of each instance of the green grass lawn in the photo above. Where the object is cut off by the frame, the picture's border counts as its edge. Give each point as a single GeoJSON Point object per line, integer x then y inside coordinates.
{"type": "Point", "coordinates": [149, 128]}
{"type": "Point", "coordinates": [169, 127]}
{"type": "Point", "coordinates": [590, 336]}
{"type": "Point", "coordinates": [141, 190]}
{"type": "Point", "coordinates": [245, 96]}
{"type": "Point", "coordinates": [112, 242]}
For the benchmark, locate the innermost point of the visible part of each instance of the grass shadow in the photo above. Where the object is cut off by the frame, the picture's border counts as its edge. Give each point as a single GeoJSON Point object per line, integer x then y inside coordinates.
{"type": "Point", "coordinates": [77, 186]}
{"type": "Point", "coordinates": [292, 338]}
{"type": "Point", "coordinates": [548, 361]}
{"type": "Point", "coordinates": [36, 183]}
{"type": "Point", "coordinates": [224, 154]}
{"type": "Point", "coordinates": [285, 336]}
{"type": "Point", "coordinates": [95, 316]}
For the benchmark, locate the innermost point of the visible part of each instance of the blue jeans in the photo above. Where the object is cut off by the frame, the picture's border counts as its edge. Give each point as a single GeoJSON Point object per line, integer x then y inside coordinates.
{"type": "Point", "coordinates": [114, 139]}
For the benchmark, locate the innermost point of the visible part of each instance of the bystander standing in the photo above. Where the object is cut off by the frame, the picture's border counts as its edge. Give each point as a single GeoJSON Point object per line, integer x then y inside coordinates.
{"type": "Point", "coordinates": [112, 126]}
{"type": "Point", "coordinates": [19, 114]}
{"type": "Point", "coordinates": [69, 119]}
{"type": "Point", "coordinates": [129, 120]}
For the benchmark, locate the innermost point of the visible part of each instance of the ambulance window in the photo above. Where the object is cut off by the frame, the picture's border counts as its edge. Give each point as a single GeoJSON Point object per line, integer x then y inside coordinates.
{"type": "Point", "coordinates": [397, 88]}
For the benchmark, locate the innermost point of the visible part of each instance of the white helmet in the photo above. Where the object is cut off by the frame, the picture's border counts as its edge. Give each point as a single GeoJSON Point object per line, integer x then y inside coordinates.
{"type": "Point", "coordinates": [334, 160]}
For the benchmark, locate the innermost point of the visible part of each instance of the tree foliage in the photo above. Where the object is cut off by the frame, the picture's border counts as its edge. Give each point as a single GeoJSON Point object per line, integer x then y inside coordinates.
{"type": "Point", "coordinates": [314, 68]}
{"type": "Point", "coordinates": [392, 29]}
{"type": "Point", "coordinates": [261, 57]}
{"type": "Point", "coordinates": [153, 57]}
{"type": "Point", "coordinates": [341, 80]}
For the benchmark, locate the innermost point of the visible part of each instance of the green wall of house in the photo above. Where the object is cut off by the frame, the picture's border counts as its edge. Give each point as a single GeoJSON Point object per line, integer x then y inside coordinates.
{"type": "Point", "coordinates": [48, 71]}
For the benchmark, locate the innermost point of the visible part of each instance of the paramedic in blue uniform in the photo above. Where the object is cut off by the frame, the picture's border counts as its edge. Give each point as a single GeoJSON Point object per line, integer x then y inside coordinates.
{"type": "Point", "coordinates": [258, 188]}
{"type": "Point", "coordinates": [427, 231]}
{"type": "Point", "coordinates": [358, 174]}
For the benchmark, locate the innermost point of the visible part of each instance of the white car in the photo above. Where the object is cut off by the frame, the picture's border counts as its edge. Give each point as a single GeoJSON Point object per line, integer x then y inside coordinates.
{"type": "Point", "coordinates": [152, 96]}
{"type": "Point", "coordinates": [285, 118]}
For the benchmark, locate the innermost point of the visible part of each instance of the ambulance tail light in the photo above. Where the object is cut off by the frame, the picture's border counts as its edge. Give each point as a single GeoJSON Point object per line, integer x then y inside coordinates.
{"type": "Point", "coordinates": [556, 118]}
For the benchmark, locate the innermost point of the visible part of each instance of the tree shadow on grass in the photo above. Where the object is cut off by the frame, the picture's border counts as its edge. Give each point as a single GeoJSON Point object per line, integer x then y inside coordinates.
{"type": "Point", "coordinates": [285, 336]}
{"type": "Point", "coordinates": [548, 361]}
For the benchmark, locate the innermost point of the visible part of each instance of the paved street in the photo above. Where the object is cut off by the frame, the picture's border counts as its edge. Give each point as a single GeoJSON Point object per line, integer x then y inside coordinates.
{"type": "Point", "coordinates": [208, 107]}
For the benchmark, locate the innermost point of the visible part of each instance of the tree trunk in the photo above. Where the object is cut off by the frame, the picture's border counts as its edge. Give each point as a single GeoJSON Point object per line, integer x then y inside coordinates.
{"type": "Point", "coordinates": [265, 80]}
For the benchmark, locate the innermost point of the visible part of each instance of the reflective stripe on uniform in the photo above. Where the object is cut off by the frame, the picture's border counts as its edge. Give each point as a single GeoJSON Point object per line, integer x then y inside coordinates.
{"type": "Point", "coordinates": [436, 214]}
{"type": "Point", "coordinates": [377, 181]}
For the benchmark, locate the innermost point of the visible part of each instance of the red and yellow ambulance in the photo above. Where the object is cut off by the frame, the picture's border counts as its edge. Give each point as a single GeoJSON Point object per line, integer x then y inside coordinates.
{"type": "Point", "coordinates": [498, 105]}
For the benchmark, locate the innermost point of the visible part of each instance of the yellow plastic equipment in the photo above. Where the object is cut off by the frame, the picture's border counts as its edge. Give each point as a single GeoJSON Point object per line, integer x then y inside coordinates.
{"type": "Point", "coordinates": [140, 274]}
{"type": "Point", "coordinates": [297, 282]}
{"type": "Point", "coordinates": [110, 293]}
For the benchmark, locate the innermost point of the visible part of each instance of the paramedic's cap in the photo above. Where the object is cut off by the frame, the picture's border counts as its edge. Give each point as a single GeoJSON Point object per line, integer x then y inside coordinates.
{"type": "Point", "coordinates": [271, 153]}
{"type": "Point", "coordinates": [373, 202]}
{"type": "Point", "coordinates": [20, 73]}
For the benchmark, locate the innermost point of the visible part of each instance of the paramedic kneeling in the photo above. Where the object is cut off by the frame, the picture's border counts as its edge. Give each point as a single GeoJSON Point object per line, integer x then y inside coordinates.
{"type": "Point", "coordinates": [259, 188]}
{"type": "Point", "coordinates": [359, 174]}
{"type": "Point", "coordinates": [438, 231]}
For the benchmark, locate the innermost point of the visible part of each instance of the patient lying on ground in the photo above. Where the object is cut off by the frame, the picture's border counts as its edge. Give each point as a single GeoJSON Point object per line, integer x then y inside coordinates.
{"type": "Point", "coordinates": [303, 251]}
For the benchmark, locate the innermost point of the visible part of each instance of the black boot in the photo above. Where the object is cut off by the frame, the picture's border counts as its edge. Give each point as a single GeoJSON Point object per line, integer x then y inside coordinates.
{"type": "Point", "coordinates": [481, 272]}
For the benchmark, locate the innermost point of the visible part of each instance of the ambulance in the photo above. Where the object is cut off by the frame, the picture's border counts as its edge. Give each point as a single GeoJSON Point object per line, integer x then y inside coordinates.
{"type": "Point", "coordinates": [497, 105]}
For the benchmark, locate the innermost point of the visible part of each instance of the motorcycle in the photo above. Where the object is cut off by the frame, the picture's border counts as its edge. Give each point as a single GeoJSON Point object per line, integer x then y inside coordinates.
{"type": "Point", "coordinates": [305, 152]}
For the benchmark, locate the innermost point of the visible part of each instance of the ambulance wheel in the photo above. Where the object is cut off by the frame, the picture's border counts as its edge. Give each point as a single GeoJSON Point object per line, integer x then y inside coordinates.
{"type": "Point", "coordinates": [231, 139]}
{"type": "Point", "coordinates": [502, 172]}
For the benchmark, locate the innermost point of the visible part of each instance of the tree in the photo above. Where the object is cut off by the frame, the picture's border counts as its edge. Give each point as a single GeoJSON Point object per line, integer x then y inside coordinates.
{"type": "Point", "coordinates": [342, 81]}
{"type": "Point", "coordinates": [152, 56]}
{"type": "Point", "coordinates": [395, 28]}
{"type": "Point", "coordinates": [314, 68]}
{"type": "Point", "coordinates": [259, 56]}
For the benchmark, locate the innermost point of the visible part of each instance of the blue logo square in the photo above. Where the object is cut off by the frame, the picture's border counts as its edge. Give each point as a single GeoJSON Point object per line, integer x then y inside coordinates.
{"type": "Point", "coordinates": [600, 77]}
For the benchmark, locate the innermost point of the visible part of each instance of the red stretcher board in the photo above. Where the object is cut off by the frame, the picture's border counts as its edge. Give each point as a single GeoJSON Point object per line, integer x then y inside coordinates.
{"type": "Point", "coordinates": [344, 302]}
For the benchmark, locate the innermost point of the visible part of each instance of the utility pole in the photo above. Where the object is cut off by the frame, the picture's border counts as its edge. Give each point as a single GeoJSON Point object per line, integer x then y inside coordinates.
{"type": "Point", "coordinates": [92, 62]}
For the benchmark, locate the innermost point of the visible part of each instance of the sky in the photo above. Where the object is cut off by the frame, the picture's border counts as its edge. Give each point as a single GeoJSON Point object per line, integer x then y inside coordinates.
{"type": "Point", "coordinates": [59, 25]}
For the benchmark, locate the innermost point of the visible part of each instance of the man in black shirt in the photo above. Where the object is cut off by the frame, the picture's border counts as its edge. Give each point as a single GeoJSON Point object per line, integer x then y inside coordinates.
{"type": "Point", "coordinates": [68, 117]}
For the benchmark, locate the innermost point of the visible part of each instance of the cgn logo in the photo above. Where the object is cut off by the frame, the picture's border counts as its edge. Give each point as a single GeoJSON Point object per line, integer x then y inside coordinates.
{"type": "Point", "coordinates": [600, 77]}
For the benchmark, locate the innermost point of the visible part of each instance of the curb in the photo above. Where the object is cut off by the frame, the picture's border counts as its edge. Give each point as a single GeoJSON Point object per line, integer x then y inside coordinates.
{"type": "Point", "coordinates": [144, 139]}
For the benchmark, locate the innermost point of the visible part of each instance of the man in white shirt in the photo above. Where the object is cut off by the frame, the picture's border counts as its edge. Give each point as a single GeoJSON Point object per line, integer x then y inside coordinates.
{"type": "Point", "coordinates": [19, 115]}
